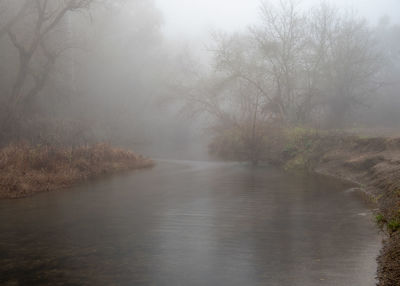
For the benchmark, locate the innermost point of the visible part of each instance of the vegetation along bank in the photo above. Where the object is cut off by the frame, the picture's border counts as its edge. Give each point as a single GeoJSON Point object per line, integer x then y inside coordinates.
{"type": "Point", "coordinates": [372, 163]}
{"type": "Point", "coordinates": [26, 169]}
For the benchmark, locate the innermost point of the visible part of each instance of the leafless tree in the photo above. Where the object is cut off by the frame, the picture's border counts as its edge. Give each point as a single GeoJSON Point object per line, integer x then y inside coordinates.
{"type": "Point", "coordinates": [296, 67]}
{"type": "Point", "coordinates": [281, 40]}
{"type": "Point", "coordinates": [31, 32]}
{"type": "Point", "coordinates": [351, 72]}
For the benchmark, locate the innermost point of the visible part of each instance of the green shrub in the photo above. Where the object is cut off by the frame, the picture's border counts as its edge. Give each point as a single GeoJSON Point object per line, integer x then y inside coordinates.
{"type": "Point", "coordinates": [393, 225]}
{"type": "Point", "coordinates": [380, 219]}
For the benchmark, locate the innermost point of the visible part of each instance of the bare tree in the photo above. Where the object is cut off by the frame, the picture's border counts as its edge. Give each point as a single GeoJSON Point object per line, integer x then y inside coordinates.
{"type": "Point", "coordinates": [234, 94]}
{"type": "Point", "coordinates": [353, 63]}
{"type": "Point", "coordinates": [295, 68]}
{"type": "Point", "coordinates": [281, 41]}
{"type": "Point", "coordinates": [14, 18]}
{"type": "Point", "coordinates": [31, 33]}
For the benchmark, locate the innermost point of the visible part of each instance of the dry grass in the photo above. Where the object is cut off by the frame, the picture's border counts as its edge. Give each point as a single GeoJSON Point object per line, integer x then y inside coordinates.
{"type": "Point", "coordinates": [25, 169]}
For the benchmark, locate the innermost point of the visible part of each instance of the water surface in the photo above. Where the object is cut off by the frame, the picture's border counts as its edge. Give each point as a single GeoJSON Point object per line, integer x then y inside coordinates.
{"type": "Point", "coordinates": [191, 223]}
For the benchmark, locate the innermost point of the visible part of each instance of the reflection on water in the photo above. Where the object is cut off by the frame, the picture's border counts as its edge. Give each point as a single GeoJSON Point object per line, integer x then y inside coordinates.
{"type": "Point", "coordinates": [191, 223]}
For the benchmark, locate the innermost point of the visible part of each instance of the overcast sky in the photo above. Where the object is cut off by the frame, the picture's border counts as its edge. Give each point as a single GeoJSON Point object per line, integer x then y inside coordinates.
{"type": "Point", "coordinates": [192, 18]}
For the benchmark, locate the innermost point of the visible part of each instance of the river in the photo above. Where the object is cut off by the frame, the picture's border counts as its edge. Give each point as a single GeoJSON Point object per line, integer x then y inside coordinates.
{"type": "Point", "coordinates": [192, 223]}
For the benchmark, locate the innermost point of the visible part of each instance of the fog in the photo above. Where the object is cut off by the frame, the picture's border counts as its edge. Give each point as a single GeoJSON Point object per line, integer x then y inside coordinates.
{"type": "Point", "coordinates": [132, 73]}
{"type": "Point", "coordinates": [194, 18]}
{"type": "Point", "coordinates": [203, 133]}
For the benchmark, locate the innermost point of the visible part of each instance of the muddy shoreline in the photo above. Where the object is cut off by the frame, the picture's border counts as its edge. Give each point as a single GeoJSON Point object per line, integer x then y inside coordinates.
{"type": "Point", "coordinates": [374, 165]}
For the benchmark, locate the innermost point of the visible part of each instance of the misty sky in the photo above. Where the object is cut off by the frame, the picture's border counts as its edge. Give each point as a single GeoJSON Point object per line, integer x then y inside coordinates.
{"type": "Point", "coordinates": [195, 17]}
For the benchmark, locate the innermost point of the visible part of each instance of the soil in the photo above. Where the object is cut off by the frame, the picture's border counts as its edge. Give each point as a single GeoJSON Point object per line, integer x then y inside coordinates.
{"type": "Point", "coordinates": [374, 164]}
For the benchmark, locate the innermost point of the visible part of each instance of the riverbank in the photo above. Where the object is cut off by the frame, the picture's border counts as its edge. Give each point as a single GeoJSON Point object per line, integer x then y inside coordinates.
{"type": "Point", "coordinates": [26, 170]}
{"type": "Point", "coordinates": [372, 163]}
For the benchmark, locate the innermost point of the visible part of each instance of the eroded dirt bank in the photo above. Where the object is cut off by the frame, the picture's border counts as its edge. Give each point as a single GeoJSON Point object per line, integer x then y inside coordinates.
{"type": "Point", "coordinates": [26, 170]}
{"type": "Point", "coordinates": [373, 163]}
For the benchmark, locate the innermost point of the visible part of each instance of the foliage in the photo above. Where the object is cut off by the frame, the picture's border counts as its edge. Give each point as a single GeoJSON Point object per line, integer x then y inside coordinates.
{"type": "Point", "coordinates": [393, 225]}
{"type": "Point", "coordinates": [240, 143]}
{"type": "Point", "coordinates": [380, 218]}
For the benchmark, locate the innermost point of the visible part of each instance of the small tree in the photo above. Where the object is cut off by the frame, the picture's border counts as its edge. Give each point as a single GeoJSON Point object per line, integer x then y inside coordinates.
{"type": "Point", "coordinates": [234, 94]}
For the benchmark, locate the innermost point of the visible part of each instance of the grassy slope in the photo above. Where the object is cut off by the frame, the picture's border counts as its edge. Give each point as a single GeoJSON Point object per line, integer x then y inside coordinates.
{"type": "Point", "coordinates": [25, 169]}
